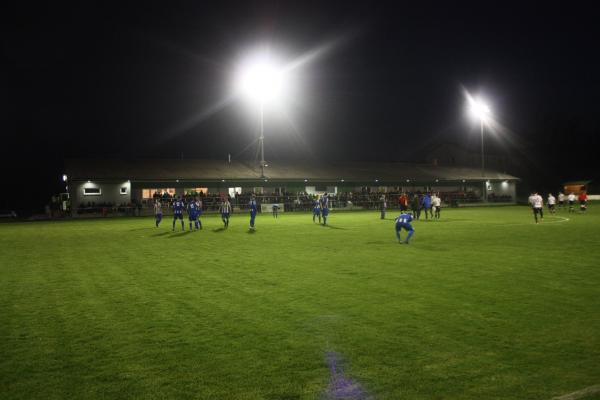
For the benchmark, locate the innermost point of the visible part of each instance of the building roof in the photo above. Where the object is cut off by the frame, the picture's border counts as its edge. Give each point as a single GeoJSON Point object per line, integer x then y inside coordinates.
{"type": "Point", "coordinates": [582, 183]}
{"type": "Point", "coordinates": [216, 170]}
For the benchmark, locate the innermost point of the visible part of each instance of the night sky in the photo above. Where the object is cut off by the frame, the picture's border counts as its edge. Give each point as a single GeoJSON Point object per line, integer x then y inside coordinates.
{"type": "Point", "coordinates": [137, 80]}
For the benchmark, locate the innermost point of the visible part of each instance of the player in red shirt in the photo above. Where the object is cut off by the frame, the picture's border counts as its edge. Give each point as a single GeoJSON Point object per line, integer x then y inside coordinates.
{"type": "Point", "coordinates": [583, 202]}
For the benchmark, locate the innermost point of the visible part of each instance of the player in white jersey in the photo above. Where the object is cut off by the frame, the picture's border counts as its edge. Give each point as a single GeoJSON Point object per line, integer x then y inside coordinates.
{"type": "Point", "coordinates": [571, 199]}
{"type": "Point", "coordinates": [551, 203]}
{"type": "Point", "coordinates": [537, 205]}
{"type": "Point", "coordinates": [436, 204]}
{"type": "Point", "coordinates": [561, 200]}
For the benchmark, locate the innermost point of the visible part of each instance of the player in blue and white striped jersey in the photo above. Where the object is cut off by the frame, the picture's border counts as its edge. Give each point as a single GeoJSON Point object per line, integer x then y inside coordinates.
{"type": "Point", "coordinates": [225, 210]}
{"type": "Point", "coordinates": [324, 202]}
{"type": "Point", "coordinates": [178, 207]}
{"type": "Point", "coordinates": [199, 210]}
{"type": "Point", "coordinates": [403, 222]}
{"type": "Point", "coordinates": [316, 210]}
{"type": "Point", "coordinates": [157, 212]}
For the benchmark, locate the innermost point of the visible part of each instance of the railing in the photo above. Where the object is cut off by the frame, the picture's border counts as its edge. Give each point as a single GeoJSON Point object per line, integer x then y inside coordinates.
{"type": "Point", "coordinates": [291, 202]}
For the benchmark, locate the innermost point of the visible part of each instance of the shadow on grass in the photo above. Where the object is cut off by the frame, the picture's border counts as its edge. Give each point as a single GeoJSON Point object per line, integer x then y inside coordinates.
{"type": "Point", "coordinates": [333, 227]}
{"type": "Point", "coordinates": [142, 229]}
{"type": "Point", "coordinates": [251, 231]}
{"type": "Point", "coordinates": [179, 234]}
{"type": "Point", "coordinates": [160, 234]}
{"type": "Point", "coordinates": [217, 230]}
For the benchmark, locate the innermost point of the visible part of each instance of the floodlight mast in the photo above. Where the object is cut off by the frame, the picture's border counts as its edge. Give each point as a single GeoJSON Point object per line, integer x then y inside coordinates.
{"type": "Point", "coordinates": [261, 139]}
{"type": "Point", "coordinates": [260, 80]}
{"type": "Point", "coordinates": [481, 111]}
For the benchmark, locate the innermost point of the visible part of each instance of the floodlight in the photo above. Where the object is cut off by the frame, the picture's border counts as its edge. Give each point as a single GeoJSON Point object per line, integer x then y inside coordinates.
{"type": "Point", "coordinates": [479, 109]}
{"type": "Point", "coordinates": [64, 177]}
{"type": "Point", "coordinates": [260, 79]}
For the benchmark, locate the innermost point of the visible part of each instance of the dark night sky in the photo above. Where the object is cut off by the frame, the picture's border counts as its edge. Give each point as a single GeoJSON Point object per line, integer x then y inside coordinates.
{"type": "Point", "coordinates": [102, 79]}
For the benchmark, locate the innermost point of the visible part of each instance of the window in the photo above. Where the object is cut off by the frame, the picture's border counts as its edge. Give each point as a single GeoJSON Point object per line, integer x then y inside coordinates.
{"type": "Point", "coordinates": [149, 193]}
{"type": "Point", "coordinates": [91, 191]}
{"type": "Point", "coordinates": [197, 190]}
{"type": "Point", "coordinates": [123, 189]}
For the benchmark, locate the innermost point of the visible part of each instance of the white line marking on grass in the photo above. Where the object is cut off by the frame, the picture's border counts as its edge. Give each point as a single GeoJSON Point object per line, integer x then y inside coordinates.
{"type": "Point", "coordinates": [580, 393]}
{"type": "Point", "coordinates": [562, 219]}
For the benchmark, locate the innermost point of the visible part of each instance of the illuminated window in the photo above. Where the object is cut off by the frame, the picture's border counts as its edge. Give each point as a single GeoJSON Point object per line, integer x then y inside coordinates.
{"type": "Point", "coordinates": [149, 193]}
{"type": "Point", "coordinates": [197, 190]}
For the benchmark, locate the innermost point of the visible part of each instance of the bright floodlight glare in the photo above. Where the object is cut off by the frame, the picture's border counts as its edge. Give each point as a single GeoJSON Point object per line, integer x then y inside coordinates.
{"type": "Point", "coordinates": [260, 79]}
{"type": "Point", "coordinates": [479, 109]}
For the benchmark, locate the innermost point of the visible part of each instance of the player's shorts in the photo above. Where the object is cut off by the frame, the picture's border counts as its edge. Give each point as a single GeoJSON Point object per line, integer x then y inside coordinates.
{"type": "Point", "coordinates": [571, 202]}
{"type": "Point", "coordinates": [561, 203]}
{"type": "Point", "coordinates": [537, 210]}
{"type": "Point", "coordinates": [402, 207]}
{"type": "Point", "coordinates": [224, 215]}
{"type": "Point", "coordinates": [192, 217]}
{"type": "Point", "coordinates": [177, 216]}
{"type": "Point", "coordinates": [316, 211]}
{"type": "Point", "coordinates": [404, 225]}
{"type": "Point", "coordinates": [325, 212]}
{"type": "Point", "coordinates": [551, 206]}
{"type": "Point", "coordinates": [583, 203]}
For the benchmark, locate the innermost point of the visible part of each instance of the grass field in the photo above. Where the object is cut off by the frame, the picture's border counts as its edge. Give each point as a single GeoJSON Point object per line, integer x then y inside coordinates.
{"type": "Point", "coordinates": [483, 304]}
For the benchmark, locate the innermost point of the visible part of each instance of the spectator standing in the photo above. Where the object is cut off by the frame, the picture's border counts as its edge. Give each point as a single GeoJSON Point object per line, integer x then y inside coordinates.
{"type": "Point", "coordinates": [383, 206]}
{"type": "Point", "coordinates": [415, 206]}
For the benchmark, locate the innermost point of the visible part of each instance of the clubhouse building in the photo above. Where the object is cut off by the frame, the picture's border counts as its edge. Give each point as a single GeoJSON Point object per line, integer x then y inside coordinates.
{"type": "Point", "coordinates": [125, 182]}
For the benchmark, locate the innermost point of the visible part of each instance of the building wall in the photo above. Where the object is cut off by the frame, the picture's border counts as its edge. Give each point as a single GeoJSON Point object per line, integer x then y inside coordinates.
{"type": "Point", "coordinates": [110, 192]}
{"type": "Point", "coordinates": [504, 188]}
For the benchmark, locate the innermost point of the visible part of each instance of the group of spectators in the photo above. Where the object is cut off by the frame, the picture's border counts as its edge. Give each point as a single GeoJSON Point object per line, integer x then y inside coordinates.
{"type": "Point", "coordinates": [302, 201]}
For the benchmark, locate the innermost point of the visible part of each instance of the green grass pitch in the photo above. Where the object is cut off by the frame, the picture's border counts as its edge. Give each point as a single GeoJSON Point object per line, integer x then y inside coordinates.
{"type": "Point", "coordinates": [483, 304]}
